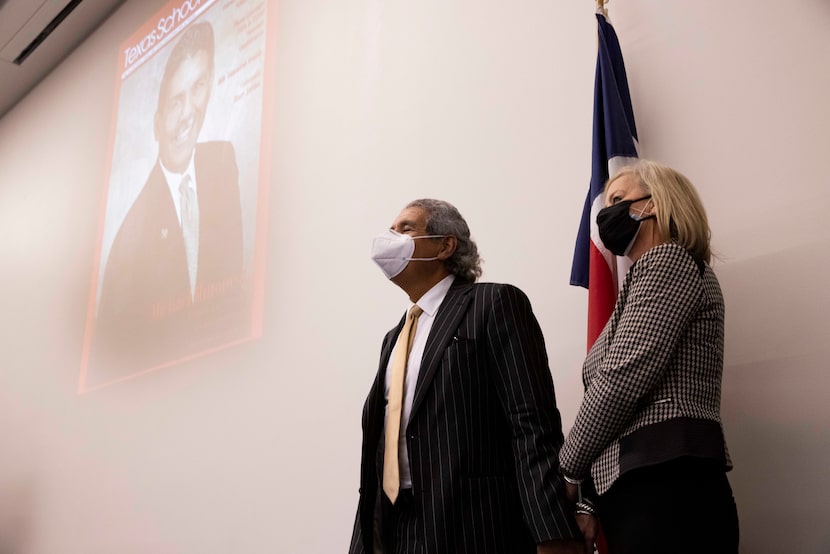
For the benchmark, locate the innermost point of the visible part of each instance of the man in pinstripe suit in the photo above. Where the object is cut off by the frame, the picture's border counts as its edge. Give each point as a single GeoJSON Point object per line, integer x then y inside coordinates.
{"type": "Point", "coordinates": [480, 431]}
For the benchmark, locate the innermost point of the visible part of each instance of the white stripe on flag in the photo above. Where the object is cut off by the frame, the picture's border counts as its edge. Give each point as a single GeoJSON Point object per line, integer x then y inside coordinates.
{"type": "Point", "coordinates": [618, 265]}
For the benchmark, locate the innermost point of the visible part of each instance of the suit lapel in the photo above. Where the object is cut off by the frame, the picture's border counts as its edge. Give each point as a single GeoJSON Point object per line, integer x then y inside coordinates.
{"type": "Point", "coordinates": [386, 353]}
{"type": "Point", "coordinates": [377, 392]}
{"type": "Point", "coordinates": [161, 203]}
{"type": "Point", "coordinates": [444, 327]}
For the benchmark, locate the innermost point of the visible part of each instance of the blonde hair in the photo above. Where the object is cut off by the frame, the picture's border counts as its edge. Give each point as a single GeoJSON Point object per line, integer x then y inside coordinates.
{"type": "Point", "coordinates": [679, 212]}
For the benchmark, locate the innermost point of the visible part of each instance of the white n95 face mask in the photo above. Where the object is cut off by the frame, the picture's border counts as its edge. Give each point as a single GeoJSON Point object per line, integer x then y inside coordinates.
{"type": "Point", "coordinates": [393, 251]}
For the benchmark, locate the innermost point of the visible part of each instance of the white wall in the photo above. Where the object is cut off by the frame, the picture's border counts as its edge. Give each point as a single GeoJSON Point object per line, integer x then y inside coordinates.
{"type": "Point", "coordinates": [484, 103]}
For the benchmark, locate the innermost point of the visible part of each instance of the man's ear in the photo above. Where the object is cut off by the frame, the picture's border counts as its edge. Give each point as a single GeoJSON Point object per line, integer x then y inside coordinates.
{"type": "Point", "coordinates": [448, 246]}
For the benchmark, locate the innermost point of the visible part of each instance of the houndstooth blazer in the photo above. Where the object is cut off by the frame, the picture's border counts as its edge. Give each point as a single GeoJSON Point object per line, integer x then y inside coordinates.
{"type": "Point", "coordinates": [653, 377]}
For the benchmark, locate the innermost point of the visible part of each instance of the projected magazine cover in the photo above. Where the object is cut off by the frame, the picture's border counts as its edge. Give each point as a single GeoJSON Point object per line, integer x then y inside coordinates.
{"type": "Point", "coordinates": [179, 269]}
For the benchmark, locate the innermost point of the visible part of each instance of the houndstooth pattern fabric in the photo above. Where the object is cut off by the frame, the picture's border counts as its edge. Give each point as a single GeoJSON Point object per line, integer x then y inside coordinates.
{"type": "Point", "coordinates": [659, 357]}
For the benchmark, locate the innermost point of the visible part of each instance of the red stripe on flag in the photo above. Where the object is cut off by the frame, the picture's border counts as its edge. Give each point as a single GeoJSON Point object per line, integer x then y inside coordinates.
{"type": "Point", "coordinates": [602, 294]}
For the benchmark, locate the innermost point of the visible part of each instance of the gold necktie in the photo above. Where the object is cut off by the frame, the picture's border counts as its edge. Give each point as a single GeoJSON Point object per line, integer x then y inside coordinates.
{"type": "Point", "coordinates": [190, 228]}
{"type": "Point", "coordinates": [391, 473]}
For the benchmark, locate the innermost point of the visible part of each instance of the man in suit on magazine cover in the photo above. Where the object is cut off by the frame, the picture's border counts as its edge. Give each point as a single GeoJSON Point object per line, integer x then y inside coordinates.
{"type": "Point", "coordinates": [173, 283]}
{"type": "Point", "coordinates": [461, 431]}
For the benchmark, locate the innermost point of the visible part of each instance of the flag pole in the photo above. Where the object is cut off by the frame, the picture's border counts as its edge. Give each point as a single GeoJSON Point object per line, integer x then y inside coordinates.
{"type": "Point", "coordinates": [613, 144]}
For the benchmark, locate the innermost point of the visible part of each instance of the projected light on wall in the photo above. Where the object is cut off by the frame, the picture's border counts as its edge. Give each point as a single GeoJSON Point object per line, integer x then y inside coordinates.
{"type": "Point", "coordinates": [179, 270]}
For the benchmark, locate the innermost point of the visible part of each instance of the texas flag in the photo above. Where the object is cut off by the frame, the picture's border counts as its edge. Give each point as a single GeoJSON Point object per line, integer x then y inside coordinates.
{"type": "Point", "coordinates": [614, 146]}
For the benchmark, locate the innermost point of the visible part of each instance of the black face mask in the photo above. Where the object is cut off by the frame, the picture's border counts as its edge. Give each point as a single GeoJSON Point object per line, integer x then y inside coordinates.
{"type": "Point", "coordinates": [618, 227]}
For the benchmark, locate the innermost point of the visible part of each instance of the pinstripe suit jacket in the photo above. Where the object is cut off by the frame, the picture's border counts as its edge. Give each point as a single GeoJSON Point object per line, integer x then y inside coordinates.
{"type": "Point", "coordinates": [484, 431]}
{"type": "Point", "coordinates": [653, 377]}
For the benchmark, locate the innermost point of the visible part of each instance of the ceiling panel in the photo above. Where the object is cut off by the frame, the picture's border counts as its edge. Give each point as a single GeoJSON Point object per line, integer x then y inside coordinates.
{"type": "Point", "coordinates": [21, 21]}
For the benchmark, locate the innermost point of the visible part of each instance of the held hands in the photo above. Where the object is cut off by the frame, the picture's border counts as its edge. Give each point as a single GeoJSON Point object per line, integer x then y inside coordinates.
{"type": "Point", "coordinates": [588, 523]}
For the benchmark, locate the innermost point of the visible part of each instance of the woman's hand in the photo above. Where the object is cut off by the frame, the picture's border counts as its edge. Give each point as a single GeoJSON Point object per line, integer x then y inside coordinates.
{"type": "Point", "coordinates": [571, 492]}
{"type": "Point", "coordinates": [589, 525]}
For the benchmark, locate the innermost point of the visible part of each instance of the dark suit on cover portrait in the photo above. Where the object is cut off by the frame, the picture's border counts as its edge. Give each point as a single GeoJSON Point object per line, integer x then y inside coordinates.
{"type": "Point", "coordinates": [484, 431]}
{"type": "Point", "coordinates": [147, 314]}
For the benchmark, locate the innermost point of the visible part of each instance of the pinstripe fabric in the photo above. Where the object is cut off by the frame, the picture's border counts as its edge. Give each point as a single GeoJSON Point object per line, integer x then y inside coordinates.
{"type": "Point", "coordinates": [405, 528]}
{"type": "Point", "coordinates": [659, 359]}
{"type": "Point", "coordinates": [484, 432]}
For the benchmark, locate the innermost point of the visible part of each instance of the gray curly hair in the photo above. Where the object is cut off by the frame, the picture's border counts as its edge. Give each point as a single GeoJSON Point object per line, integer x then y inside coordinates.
{"type": "Point", "coordinates": [444, 219]}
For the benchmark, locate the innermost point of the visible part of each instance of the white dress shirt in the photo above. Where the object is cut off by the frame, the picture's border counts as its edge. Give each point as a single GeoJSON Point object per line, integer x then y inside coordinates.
{"type": "Point", "coordinates": [429, 303]}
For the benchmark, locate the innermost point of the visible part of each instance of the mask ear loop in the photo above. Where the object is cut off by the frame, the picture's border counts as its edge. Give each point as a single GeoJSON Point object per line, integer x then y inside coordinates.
{"type": "Point", "coordinates": [639, 216]}
{"type": "Point", "coordinates": [426, 237]}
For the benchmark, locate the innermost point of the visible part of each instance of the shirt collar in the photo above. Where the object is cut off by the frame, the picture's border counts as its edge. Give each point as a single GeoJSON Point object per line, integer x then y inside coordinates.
{"type": "Point", "coordinates": [173, 179]}
{"type": "Point", "coordinates": [432, 299]}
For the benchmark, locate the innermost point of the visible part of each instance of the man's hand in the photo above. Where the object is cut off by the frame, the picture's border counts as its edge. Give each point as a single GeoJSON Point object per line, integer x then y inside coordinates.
{"type": "Point", "coordinates": [562, 547]}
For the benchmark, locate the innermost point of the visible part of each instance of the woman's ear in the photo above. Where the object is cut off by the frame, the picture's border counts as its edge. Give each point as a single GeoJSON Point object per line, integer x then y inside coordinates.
{"type": "Point", "coordinates": [649, 209]}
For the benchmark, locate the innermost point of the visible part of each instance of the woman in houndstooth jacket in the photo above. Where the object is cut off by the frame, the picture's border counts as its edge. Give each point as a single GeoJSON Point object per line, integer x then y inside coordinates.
{"type": "Point", "coordinates": [647, 452]}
